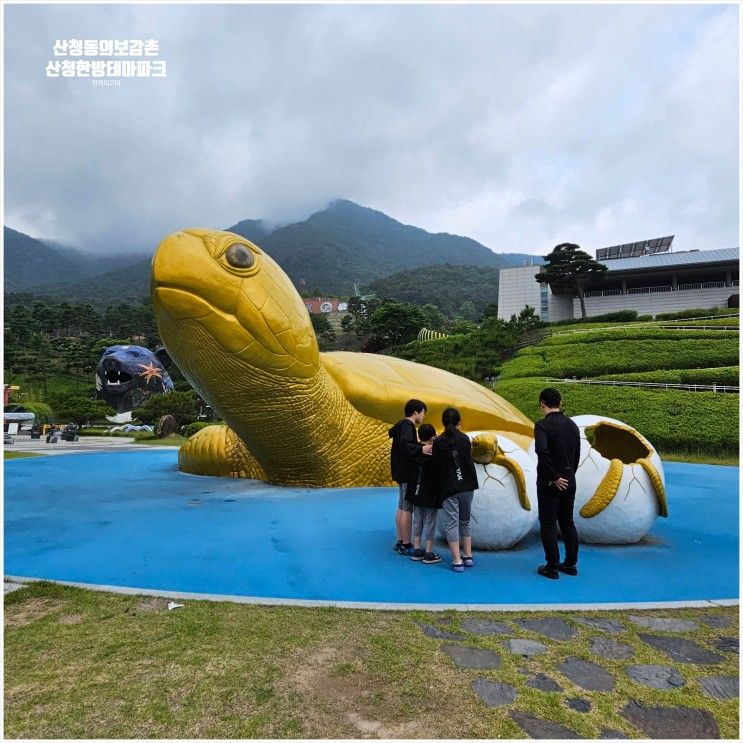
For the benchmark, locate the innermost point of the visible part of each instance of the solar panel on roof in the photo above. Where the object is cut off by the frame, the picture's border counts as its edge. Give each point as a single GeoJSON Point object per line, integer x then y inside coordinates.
{"type": "Point", "coordinates": [635, 249]}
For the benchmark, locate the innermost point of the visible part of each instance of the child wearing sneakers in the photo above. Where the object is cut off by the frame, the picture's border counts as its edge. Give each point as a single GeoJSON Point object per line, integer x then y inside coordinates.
{"type": "Point", "coordinates": [456, 481]}
{"type": "Point", "coordinates": [405, 448]}
{"type": "Point", "coordinates": [422, 494]}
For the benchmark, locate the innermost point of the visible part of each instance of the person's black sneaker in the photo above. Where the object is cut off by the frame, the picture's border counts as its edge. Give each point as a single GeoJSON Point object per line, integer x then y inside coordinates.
{"type": "Point", "coordinates": [567, 569]}
{"type": "Point", "coordinates": [397, 546]}
{"type": "Point", "coordinates": [548, 572]}
{"type": "Point", "coordinates": [417, 555]}
{"type": "Point", "coordinates": [430, 558]}
{"type": "Point", "coordinates": [407, 549]}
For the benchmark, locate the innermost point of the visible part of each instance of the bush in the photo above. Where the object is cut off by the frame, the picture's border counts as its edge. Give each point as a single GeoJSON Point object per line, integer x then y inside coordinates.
{"type": "Point", "coordinates": [672, 420]}
{"type": "Point", "coordinates": [476, 355]}
{"type": "Point", "coordinates": [591, 359]}
{"type": "Point", "coordinates": [181, 405]}
{"type": "Point", "coordinates": [195, 427]}
{"type": "Point", "coordinates": [41, 410]}
{"type": "Point", "coordinates": [645, 332]}
{"type": "Point", "coordinates": [618, 316]}
{"type": "Point", "coordinates": [696, 312]}
{"type": "Point", "coordinates": [465, 355]}
{"type": "Point", "coordinates": [724, 375]}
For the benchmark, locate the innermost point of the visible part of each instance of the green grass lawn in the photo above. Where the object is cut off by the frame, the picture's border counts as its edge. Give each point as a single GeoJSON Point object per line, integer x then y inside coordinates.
{"type": "Point", "coordinates": [83, 664]}
{"type": "Point", "coordinates": [19, 454]}
{"type": "Point", "coordinates": [729, 460]}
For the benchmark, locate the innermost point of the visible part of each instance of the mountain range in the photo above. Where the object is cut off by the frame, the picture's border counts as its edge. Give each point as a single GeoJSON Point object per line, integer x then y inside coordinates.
{"type": "Point", "coordinates": [333, 250]}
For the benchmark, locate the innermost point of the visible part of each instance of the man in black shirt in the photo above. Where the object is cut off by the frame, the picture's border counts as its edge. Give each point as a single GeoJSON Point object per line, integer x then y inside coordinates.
{"type": "Point", "coordinates": [557, 442]}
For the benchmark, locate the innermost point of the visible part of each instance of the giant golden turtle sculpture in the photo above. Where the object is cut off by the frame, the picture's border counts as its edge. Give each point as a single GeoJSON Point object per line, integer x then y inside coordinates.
{"type": "Point", "coordinates": [238, 330]}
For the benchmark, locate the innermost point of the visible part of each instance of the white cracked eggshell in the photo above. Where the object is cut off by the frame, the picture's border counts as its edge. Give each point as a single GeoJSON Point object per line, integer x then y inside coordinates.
{"type": "Point", "coordinates": [498, 518]}
{"type": "Point", "coordinates": [620, 486]}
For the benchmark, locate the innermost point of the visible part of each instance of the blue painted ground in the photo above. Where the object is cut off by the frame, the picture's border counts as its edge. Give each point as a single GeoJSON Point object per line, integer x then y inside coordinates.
{"type": "Point", "coordinates": [131, 519]}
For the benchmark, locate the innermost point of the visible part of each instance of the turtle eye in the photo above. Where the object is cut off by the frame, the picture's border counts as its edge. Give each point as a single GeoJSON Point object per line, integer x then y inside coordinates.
{"type": "Point", "coordinates": [238, 256]}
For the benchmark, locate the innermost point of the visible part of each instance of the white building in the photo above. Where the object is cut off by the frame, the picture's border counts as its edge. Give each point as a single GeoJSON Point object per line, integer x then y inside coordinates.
{"type": "Point", "coordinates": [650, 284]}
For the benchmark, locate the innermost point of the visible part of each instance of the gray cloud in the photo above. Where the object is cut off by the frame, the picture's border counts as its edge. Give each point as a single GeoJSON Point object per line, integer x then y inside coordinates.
{"type": "Point", "coordinates": [519, 126]}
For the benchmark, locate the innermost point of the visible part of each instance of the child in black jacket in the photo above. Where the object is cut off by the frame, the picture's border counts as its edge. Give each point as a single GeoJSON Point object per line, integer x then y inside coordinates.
{"type": "Point", "coordinates": [422, 494]}
{"type": "Point", "coordinates": [405, 448]}
{"type": "Point", "coordinates": [456, 481]}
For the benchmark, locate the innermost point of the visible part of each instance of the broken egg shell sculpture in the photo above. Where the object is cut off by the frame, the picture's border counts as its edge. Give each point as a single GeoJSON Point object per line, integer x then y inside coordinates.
{"type": "Point", "coordinates": [620, 482]}
{"type": "Point", "coordinates": [504, 509]}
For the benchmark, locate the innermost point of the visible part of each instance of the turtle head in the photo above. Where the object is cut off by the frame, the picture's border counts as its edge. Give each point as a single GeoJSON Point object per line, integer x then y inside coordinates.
{"type": "Point", "coordinates": [219, 300]}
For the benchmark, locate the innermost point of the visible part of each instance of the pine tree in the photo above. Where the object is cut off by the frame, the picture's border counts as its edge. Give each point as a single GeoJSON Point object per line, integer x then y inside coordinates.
{"type": "Point", "coordinates": [570, 268]}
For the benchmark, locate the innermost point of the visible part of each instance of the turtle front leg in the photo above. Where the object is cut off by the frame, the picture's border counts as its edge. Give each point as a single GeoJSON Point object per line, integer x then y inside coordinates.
{"type": "Point", "coordinates": [219, 452]}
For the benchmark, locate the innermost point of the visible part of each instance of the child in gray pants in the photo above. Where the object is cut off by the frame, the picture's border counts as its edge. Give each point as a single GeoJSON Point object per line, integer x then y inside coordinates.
{"type": "Point", "coordinates": [422, 495]}
{"type": "Point", "coordinates": [456, 479]}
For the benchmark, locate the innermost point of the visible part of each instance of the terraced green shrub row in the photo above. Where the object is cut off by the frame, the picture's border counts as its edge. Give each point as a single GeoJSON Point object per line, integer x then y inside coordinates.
{"type": "Point", "coordinates": [731, 322]}
{"type": "Point", "coordinates": [649, 332]}
{"type": "Point", "coordinates": [619, 316]}
{"type": "Point", "coordinates": [727, 375]}
{"type": "Point", "coordinates": [587, 360]}
{"type": "Point", "coordinates": [697, 312]}
{"type": "Point", "coordinates": [672, 420]}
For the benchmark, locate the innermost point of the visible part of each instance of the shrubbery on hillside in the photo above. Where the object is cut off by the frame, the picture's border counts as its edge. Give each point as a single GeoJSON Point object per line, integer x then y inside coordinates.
{"type": "Point", "coordinates": [672, 420]}
{"type": "Point", "coordinates": [618, 316]}
{"type": "Point", "coordinates": [465, 355]}
{"type": "Point", "coordinates": [647, 332]}
{"type": "Point", "coordinates": [585, 360]}
{"type": "Point", "coordinates": [696, 312]}
{"type": "Point", "coordinates": [477, 355]}
{"type": "Point", "coordinates": [725, 375]}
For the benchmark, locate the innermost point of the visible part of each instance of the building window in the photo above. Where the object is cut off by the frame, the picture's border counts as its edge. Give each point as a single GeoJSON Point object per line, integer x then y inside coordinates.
{"type": "Point", "coordinates": [544, 309]}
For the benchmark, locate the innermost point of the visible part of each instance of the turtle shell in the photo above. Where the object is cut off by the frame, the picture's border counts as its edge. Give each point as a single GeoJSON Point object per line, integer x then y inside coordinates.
{"type": "Point", "coordinates": [379, 386]}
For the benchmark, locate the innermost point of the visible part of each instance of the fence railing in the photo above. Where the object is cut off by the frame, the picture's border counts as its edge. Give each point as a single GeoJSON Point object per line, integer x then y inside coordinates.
{"type": "Point", "coordinates": [602, 293]}
{"type": "Point", "coordinates": [653, 385]}
{"type": "Point", "coordinates": [650, 289]}
{"type": "Point", "coordinates": [660, 288]}
{"type": "Point", "coordinates": [703, 285]}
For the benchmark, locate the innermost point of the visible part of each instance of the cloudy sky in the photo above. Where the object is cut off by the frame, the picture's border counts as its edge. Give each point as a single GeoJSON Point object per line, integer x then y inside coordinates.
{"type": "Point", "coordinates": [519, 126]}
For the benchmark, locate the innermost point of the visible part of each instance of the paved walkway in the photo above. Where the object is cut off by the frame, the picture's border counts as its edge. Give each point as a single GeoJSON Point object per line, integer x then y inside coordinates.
{"type": "Point", "coordinates": [679, 656]}
{"type": "Point", "coordinates": [9, 586]}
{"type": "Point", "coordinates": [84, 444]}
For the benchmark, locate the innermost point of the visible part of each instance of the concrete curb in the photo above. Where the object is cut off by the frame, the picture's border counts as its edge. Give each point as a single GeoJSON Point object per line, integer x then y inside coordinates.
{"type": "Point", "coordinates": [383, 606]}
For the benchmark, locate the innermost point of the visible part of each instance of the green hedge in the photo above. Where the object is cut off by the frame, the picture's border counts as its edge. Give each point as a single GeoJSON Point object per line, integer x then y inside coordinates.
{"type": "Point", "coordinates": [592, 359]}
{"type": "Point", "coordinates": [619, 316]}
{"type": "Point", "coordinates": [707, 322]}
{"type": "Point", "coordinates": [648, 332]}
{"type": "Point", "coordinates": [697, 312]}
{"type": "Point", "coordinates": [728, 375]}
{"type": "Point", "coordinates": [672, 420]}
